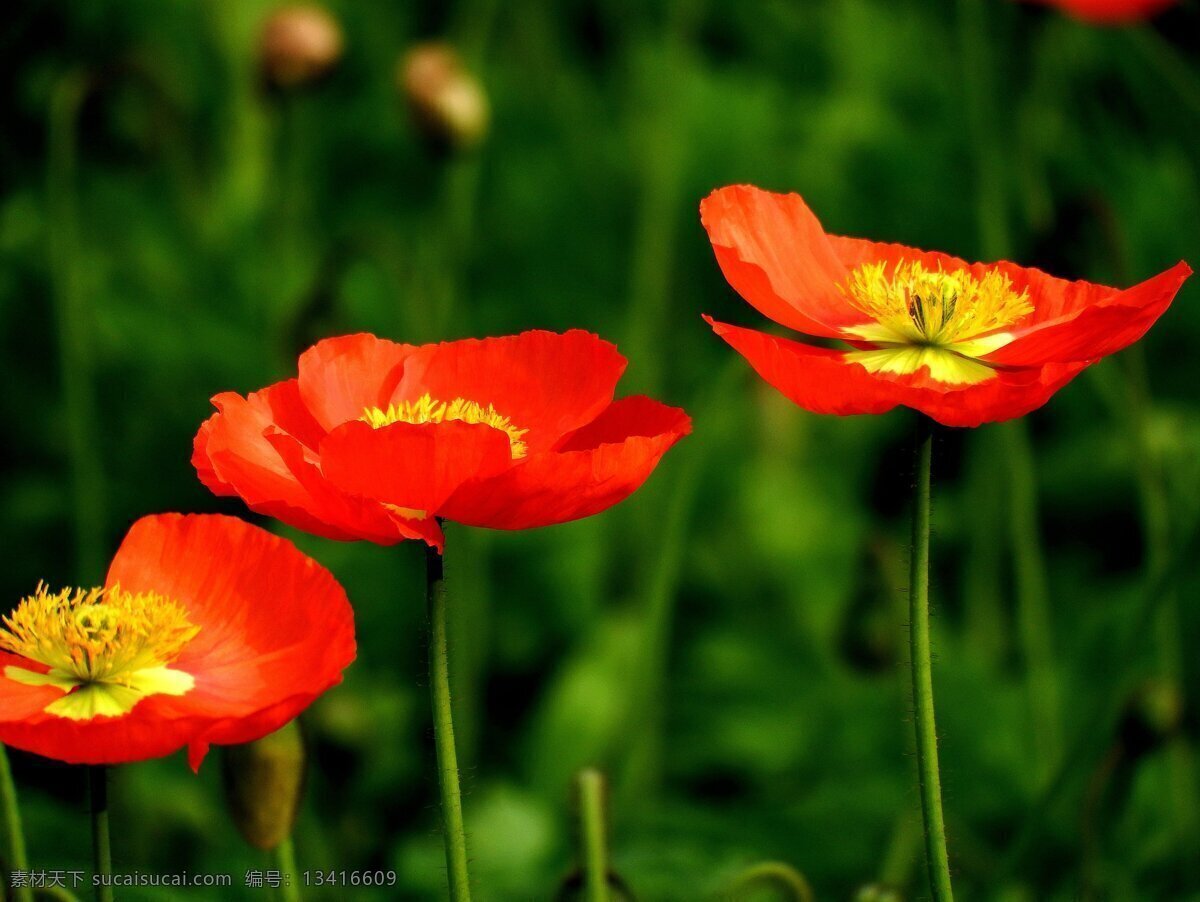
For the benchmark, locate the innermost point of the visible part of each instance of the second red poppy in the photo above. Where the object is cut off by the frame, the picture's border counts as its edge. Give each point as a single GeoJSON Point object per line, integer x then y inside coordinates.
{"type": "Point", "coordinates": [964, 343]}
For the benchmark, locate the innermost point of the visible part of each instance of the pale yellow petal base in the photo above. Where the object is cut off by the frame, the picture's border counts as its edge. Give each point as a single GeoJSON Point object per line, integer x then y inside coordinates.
{"type": "Point", "coordinates": [83, 701]}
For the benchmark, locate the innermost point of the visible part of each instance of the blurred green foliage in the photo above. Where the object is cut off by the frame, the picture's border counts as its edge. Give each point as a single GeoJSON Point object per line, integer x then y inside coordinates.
{"type": "Point", "coordinates": [727, 645]}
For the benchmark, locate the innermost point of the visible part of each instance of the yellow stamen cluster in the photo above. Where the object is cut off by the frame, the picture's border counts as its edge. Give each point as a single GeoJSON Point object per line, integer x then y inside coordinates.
{"type": "Point", "coordinates": [933, 307]}
{"type": "Point", "coordinates": [427, 410]}
{"type": "Point", "coordinates": [97, 635]}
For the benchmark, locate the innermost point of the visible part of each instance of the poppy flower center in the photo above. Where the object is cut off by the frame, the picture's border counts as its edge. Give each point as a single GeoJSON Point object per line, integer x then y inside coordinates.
{"type": "Point", "coordinates": [943, 321]}
{"type": "Point", "coordinates": [426, 409]}
{"type": "Point", "coordinates": [106, 649]}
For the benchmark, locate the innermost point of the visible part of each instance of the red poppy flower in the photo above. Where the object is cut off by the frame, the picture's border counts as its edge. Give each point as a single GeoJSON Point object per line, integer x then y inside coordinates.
{"type": "Point", "coordinates": [1111, 11]}
{"type": "Point", "coordinates": [964, 343]}
{"type": "Point", "coordinates": [207, 630]}
{"type": "Point", "coordinates": [377, 440]}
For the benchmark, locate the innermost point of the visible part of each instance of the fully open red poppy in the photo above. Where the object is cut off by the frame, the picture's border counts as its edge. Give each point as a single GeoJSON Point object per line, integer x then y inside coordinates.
{"type": "Point", "coordinates": [377, 440]}
{"type": "Point", "coordinates": [208, 630]}
{"type": "Point", "coordinates": [1111, 11]}
{"type": "Point", "coordinates": [965, 343]}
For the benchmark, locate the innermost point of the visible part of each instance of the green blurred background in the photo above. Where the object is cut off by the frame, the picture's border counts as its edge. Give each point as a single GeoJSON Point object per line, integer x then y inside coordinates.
{"type": "Point", "coordinates": [728, 645]}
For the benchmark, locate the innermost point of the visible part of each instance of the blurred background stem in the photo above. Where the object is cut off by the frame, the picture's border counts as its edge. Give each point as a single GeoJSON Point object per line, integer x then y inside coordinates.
{"type": "Point", "coordinates": [1034, 625]}
{"type": "Point", "coordinates": [101, 843]}
{"type": "Point", "coordinates": [1156, 528]}
{"type": "Point", "coordinates": [443, 731]}
{"type": "Point", "coordinates": [790, 883]}
{"type": "Point", "coordinates": [922, 674]}
{"type": "Point", "coordinates": [76, 330]}
{"type": "Point", "coordinates": [18, 858]}
{"type": "Point", "coordinates": [593, 834]}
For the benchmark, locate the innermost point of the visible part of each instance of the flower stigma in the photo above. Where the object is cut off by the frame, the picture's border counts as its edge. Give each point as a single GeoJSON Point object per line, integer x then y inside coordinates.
{"type": "Point", "coordinates": [943, 321]}
{"type": "Point", "coordinates": [427, 410]}
{"type": "Point", "coordinates": [106, 649]}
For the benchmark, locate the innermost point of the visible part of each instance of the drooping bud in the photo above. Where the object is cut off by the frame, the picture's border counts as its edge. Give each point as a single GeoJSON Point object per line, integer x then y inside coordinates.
{"type": "Point", "coordinates": [447, 103]}
{"type": "Point", "coordinates": [877, 892]}
{"type": "Point", "coordinates": [264, 781]}
{"type": "Point", "coordinates": [298, 46]}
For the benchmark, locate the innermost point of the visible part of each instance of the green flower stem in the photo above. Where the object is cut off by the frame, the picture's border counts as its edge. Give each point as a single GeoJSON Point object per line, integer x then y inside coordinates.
{"type": "Point", "coordinates": [17, 857]}
{"type": "Point", "coordinates": [593, 834]}
{"type": "Point", "coordinates": [443, 731]}
{"type": "Point", "coordinates": [922, 675]}
{"type": "Point", "coordinates": [285, 863]}
{"type": "Point", "coordinates": [101, 845]}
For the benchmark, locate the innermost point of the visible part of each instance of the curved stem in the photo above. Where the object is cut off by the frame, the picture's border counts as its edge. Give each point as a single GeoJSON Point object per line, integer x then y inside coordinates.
{"type": "Point", "coordinates": [101, 846]}
{"type": "Point", "coordinates": [593, 834]}
{"type": "Point", "coordinates": [285, 863]}
{"type": "Point", "coordinates": [774, 873]}
{"type": "Point", "coordinates": [17, 856]}
{"type": "Point", "coordinates": [443, 731]}
{"type": "Point", "coordinates": [922, 675]}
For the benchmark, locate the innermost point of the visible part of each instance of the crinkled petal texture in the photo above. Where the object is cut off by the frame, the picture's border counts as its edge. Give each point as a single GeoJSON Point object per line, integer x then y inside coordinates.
{"type": "Point", "coordinates": [275, 632]}
{"type": "Point", "coordinates": [1111, 11]}
{"type": "Point", "coordinates": [774, 253]}
{"type": "Point", "coordinates": [377, 440]}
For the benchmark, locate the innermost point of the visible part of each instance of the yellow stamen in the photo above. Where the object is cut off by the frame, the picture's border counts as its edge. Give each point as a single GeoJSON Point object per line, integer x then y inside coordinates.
{"type": "Point", "coordinates": [105, 648]}
{"type": "Point", "coordinates": [427, 410]}
{"type": "Point", "coordinates": [951, 318]}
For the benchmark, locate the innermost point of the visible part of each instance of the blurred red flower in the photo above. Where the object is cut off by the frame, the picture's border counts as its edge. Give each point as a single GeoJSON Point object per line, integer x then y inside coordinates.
{"type": "Point", "coordinates": [377, 440]}
{"type": "Point", "coordinates": [208, 630]}
{"type": "Point", "coordinates": [964, 343]}
{"type": "Point", "coordinates": [1111, 11]}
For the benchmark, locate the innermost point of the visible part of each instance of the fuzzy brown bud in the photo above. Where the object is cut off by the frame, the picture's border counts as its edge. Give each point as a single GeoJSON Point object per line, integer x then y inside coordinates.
{"type": "Point", "coordinates": [263, 785]}
{"type": "Point", "coordinates": [298, 46]}
{"type": "Point", "coordinates": [447, 103]}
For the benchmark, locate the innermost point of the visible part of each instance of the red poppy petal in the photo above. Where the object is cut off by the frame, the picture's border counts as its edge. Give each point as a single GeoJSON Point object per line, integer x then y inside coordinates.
{"type": "Point", "coordinates": [412, 466]}
{"type": "Point", "coordinates": [239, 583]}
{"type": "Point", "coordinates": [854, 252]}
{"type": "Point", "coordinates": [141, 734]}
{"type": "Point", "coordinates": [340, 377]}
{"type": "Point", "coordinates": [348, 517]}
{"type": "Point", "coordinates": [545, 382]}
{"type": "Point", "coordinates": [823, 381]}
{"type": "Point", "coordinates": [775, 254]}
{"type": "Point", "coordinates": [598, 466]}
{"type": "Point", "coordinates": [637, 415]}
{"type": "Point", "coordinates": [1111, 11]}
{"type": "Point", "coordinates": [232, 457]}
{"type": "Point", "coordinates": [1096, 322]}
{"type": "Point", "coordinates": [17, 700]}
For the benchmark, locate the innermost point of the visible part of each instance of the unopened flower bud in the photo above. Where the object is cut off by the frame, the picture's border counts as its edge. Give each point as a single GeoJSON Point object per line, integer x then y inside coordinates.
{"type": "Point", "coordinates": [298, 46]}
{"type": "Point", "coordinates": [877, 892]}
{"type": "Point", "coordinates": [447, 103]}
{"type": "Point", "coordinates": [263, 784]}
{"type": "Point", "coordinates": [1153, 713]}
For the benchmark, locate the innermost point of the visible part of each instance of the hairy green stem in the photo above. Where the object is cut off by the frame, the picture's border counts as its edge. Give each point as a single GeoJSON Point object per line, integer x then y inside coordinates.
{"type": "Point", "coordinates": [936, 856]}
{"type": "Point", "coordinates": [18, 859]}
{"type": "Point", "coordinates": [593, 834]}
{"type": "Point", "coordinates": [453, 831]}
{"type": "Point", "coordinates": [285, 863]}
{"type": "Point", "coordinates": [101, 844]}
